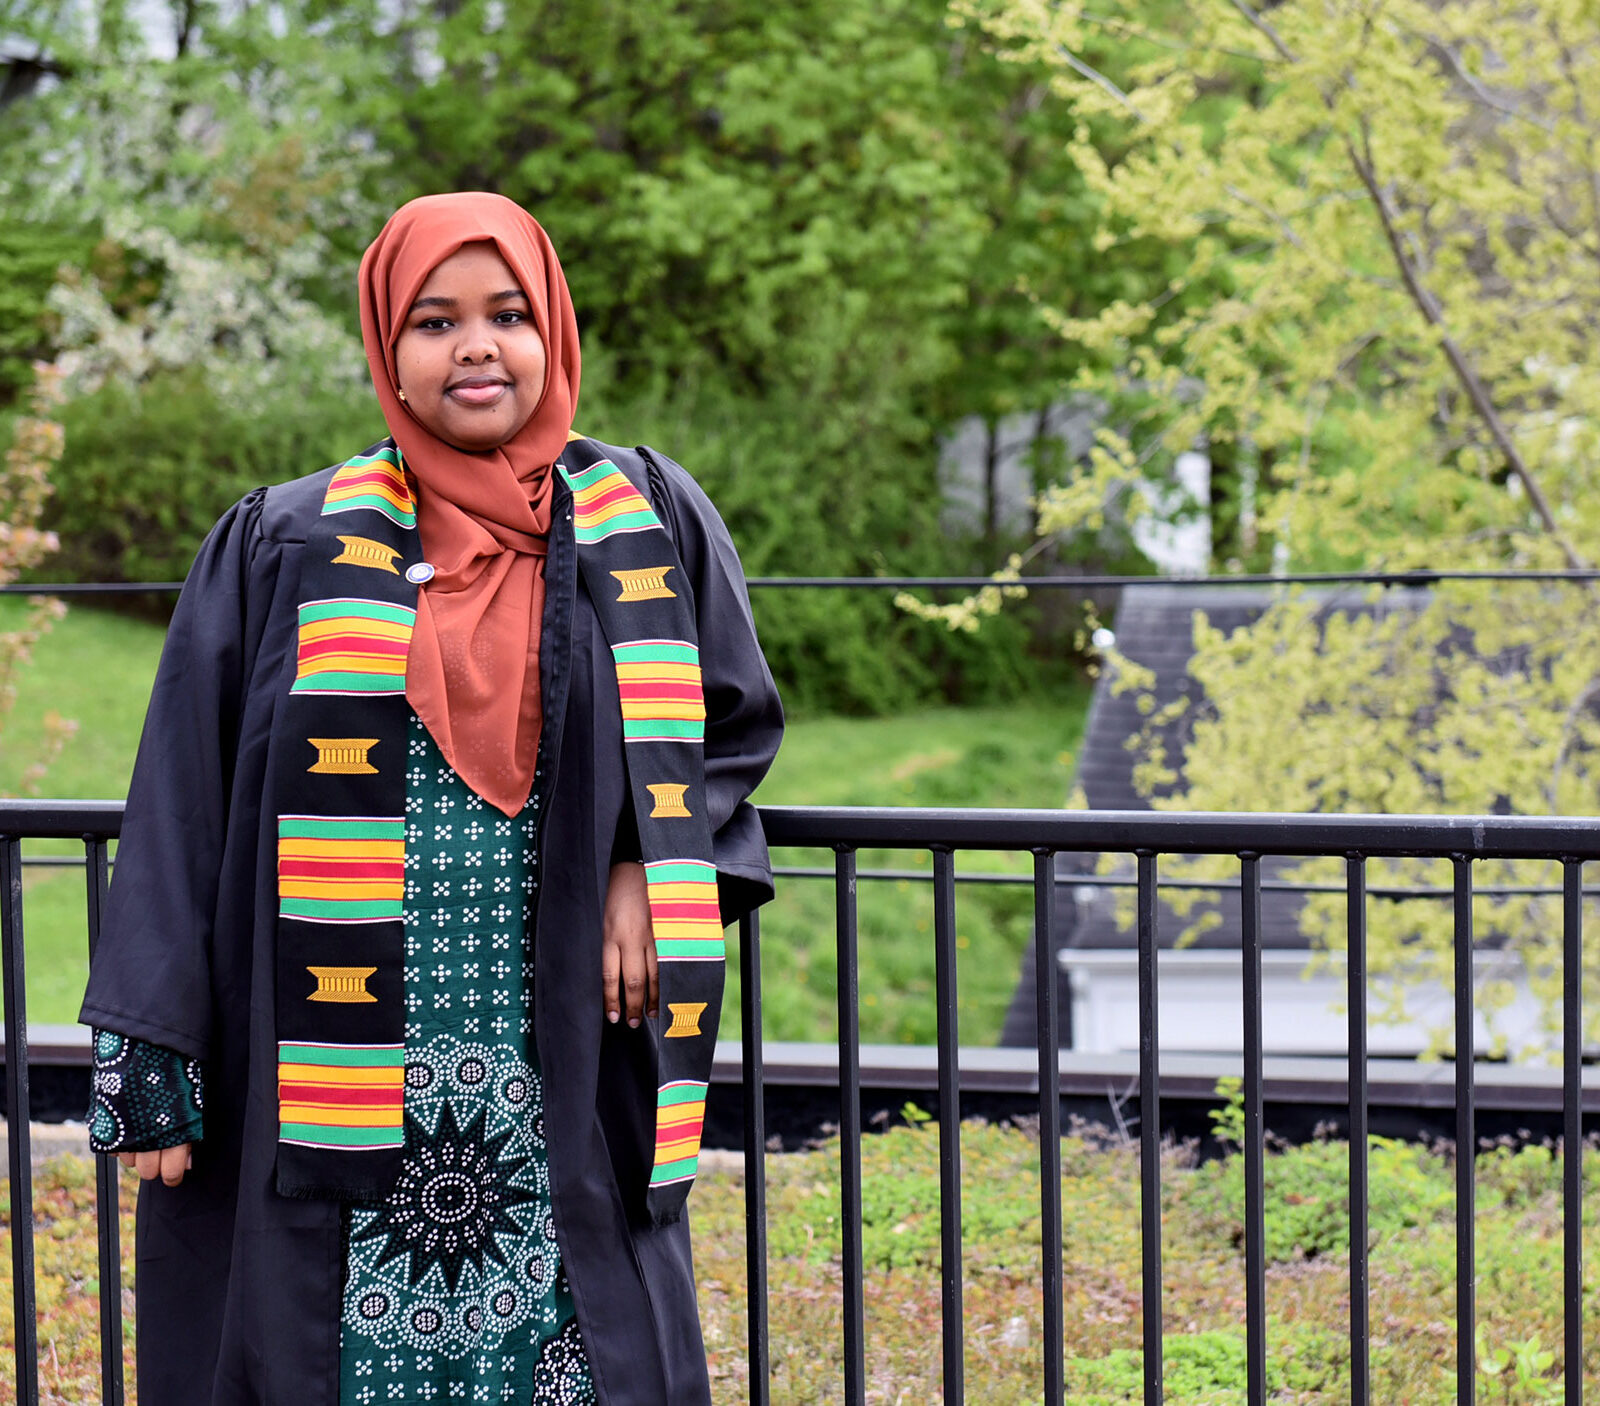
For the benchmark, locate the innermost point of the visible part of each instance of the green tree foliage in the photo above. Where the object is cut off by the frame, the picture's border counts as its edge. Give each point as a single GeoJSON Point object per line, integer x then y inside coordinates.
{"type": "Point", "coordinates": [796, 236]}
{"type": "Point", "coordinates": [1404, 202]}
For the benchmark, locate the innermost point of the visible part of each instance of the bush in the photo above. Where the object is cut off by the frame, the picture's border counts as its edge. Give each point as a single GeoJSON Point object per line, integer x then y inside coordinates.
{"type": "Point", "coordinates": [148, 470]}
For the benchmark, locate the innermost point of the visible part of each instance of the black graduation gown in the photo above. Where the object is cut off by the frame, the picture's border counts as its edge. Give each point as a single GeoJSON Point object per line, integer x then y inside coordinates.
{"type": "Point", "coordinates": [239, 1288]}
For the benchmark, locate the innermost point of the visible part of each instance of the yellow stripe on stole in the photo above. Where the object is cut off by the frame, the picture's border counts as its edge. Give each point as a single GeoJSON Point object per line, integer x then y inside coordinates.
{"type": "Point", "coordinates": [338, 1116]}
{"type": "Point", "coordinates": [355, 889]}
{"type": "Point", "coordinates": [354, 625]}
{"type": "Point", "coordinates": [682, 673]}
{"type": "Point", "coordinates": [339, 1076]}
{"type": "Point", "coordinates": [306, 847]}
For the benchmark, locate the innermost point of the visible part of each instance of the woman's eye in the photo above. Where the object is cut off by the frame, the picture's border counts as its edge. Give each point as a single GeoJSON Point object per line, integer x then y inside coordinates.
{"type": "Point", "coordinates": [433, 324]}
{"type": "Point", "coordinates": [511, 317]}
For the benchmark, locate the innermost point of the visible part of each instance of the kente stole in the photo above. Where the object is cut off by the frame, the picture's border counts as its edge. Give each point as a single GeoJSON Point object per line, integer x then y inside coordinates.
{"type": "Point", "coordinates": [341, 841]}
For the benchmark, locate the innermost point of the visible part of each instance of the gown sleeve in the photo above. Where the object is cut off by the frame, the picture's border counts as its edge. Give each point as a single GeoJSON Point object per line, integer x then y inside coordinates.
{"type": "Point", "coordinates": [151, 973]}
{"type": "Point", "coordinates": [145, 1097]}
{"type": "Point", "coordinates": [744, 716]}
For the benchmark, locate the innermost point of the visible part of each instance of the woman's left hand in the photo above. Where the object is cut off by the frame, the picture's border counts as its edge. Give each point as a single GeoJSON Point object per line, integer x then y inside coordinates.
{"type": "Point", "coordinates": [628, 960]}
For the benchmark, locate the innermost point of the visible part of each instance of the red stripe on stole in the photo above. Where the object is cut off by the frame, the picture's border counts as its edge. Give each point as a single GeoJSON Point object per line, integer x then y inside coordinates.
{"type": "Point", "coordinates": [367, 477]}
{"type": "Point", "coordinates": [622, 493]}
{"type": "Point", "coordinates": [690, 910]}
{"type": "Point", "coordinates": [354, 644]}
{"type": "Point", "coordinates": [674, 690]}
{"type": "Point", "coordinates": [334, 868]}
{"type": "Point", "coordinates": [362, 1097]}
{"type": "Point", "coordinates": [680, 1132]}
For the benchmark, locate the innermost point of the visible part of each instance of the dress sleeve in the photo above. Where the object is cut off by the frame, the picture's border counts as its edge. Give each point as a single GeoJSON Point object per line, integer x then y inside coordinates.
{"type": "Point", "coordinates": [151, 973]}
{"type": "Point", "coordinates": [145, 1096]}
{"type": "Point", "coordinates": [744, 716]}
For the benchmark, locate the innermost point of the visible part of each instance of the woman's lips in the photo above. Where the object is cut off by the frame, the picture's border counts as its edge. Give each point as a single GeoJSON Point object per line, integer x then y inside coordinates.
{"type": "Point", "coordinates": [479, 392]}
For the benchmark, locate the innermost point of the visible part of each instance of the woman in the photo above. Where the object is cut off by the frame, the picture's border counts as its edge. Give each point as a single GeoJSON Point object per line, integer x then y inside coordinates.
{"type": "Point", "coordinates": [441, 795]}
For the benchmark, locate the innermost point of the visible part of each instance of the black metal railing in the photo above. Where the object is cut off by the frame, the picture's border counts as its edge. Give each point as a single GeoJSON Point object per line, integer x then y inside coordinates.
{"type": "Point", "coordinates": [1147, 836]}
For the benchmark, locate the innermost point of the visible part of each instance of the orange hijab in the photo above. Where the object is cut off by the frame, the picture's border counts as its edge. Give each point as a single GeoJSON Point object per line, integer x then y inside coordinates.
{"type": "Point", "coordinates": [473, 671]}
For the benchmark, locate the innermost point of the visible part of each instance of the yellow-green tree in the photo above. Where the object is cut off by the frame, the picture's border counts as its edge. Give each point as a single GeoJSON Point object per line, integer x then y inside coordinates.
{"type": "Point", "coordinates": [1398, 202]}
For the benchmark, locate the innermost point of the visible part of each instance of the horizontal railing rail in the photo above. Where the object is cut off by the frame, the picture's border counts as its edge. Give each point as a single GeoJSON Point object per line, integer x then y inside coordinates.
{"type": "Point", "coordinates": [1419, 579]}
{"type": "Point", "coordinates": [1040, 835]}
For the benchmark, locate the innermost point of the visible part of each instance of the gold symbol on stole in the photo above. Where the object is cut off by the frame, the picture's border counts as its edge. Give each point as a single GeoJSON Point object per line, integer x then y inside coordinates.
{"type": "Point", "coordinates": [347, 985]}
{"type": "Point", "coordinates": [343, 756]}
{"type": "Point", "coordinates": [669, 801]}
{"type": "Point", "coordinates": [363, 551]}
{"type": "Point", "coordinates": [685, 1019]}
{"type": "Point", "coordinates": [646, 583]}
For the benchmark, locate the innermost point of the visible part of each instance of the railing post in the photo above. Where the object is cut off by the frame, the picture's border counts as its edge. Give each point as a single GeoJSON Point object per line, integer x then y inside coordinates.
{"type": "Point", "coordinates": [1356, 994]}
{"type": "Point", "coordinates": [753, 1074]}
{"type": "Point", "coordinates": [23, 1302]}
{"type": "Point", "coordinates": [1045, 975]}
{"type": "Point", "coordinates": [1149, 1129]}
{"type": "Point", "coordinates": [1466, 1143]}
{"type": "Point", "coordinates": [1255, 1230]}
{"type": "Point", "coordinates": [106, 1191]}
{"type": "Point", "coordinates": [1572, 1125]}
{"type": "Point", "coordinates": [950, 1258]}
{"type": "Point", "coordinates": [855, 1313]}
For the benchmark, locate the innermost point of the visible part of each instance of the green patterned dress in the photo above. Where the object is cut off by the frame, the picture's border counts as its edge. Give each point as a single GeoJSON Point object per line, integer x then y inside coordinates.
{"type": "Point", "coordinates": [454, 1289]}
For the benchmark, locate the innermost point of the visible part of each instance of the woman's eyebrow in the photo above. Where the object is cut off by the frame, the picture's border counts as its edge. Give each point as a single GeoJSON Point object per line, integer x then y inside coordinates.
{"type": "Point", "coordinates": [505, 296]}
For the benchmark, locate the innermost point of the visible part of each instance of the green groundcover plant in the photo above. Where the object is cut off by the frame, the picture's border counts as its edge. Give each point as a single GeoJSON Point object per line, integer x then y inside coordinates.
{"type": "Point", "coordinates": [1412, 1273]}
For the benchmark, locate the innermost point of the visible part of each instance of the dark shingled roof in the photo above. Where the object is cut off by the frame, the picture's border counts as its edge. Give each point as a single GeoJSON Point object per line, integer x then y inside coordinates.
{"type": "Point", "coordinates": [1154, 626]}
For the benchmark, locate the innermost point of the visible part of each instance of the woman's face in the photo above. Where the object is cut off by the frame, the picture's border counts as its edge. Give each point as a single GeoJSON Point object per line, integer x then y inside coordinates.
{"type": "Point", "coordinates": [469, 358]}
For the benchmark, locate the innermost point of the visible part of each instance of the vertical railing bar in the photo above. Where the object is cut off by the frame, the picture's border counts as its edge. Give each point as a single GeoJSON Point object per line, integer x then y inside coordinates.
{"type": "Point", "coordinates": [1572, 1125]}
{"type": "Point", "coordinates": [1356, 996]}
{"type": "Point", "coordinates": [1045, 978]}
{"type": "Point", "coordinates": [855, 1352]}
{"type": "Point", "coordinates": [948, 1035]}
{"type": "Point", "coordinates": [1466, 1141]}
{"type": "Point", "coordinates": [753, 1072]}
{"type": "Point", "coordinates": [106, 1192]}
{"type": "Point", "coordinates": [1255, 1224]}
{"type": "Point", "coordinates": [1149, 1131]}
{"type": "Point", "coordinates": [18, 1142]}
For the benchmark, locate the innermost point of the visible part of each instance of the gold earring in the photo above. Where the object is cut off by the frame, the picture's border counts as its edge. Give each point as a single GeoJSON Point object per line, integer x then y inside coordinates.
{"type": "Point", "coordinates": [401, 394]}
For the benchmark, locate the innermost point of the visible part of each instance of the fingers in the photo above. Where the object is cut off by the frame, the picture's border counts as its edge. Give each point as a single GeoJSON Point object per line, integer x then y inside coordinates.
{"type": "Point", "coordinates": [610, 979]}
{"type": "Point", "coordinates": [636, 980]}
{"type": "Point", "coordinates": [175, 1161]}
{"type": "Point", "coordinates": [654, 974]}
{"type": "Point", "coordinates": [168, 1163]}
{"type": "Point", "coordinates": [628, 974]}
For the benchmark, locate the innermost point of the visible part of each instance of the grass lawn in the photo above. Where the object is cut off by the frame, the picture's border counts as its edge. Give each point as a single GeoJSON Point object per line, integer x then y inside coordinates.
{"type": "Point", "coordinates": [1412, 1275]}
{"type": "Point", "coordinates": [95, 668]}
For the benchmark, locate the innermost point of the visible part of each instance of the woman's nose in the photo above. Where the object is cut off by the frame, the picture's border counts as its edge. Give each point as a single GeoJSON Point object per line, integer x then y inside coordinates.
{"type": "Point", "coordinates": [477, 344]}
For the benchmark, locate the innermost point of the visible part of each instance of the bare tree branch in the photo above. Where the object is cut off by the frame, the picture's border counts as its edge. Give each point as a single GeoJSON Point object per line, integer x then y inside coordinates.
{"type": "Point", "coordinates": [1273, 37]}
{"type": "Point", "coordinates": [1433, 313]}
{"type": "Point", "coordinates": [1476, 86]}
{"type": "Point", "coordinates": [1083, 70]}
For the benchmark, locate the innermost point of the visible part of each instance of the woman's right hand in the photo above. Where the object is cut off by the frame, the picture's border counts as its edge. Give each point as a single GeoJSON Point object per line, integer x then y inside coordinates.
{"type": "Point", "coordinates": [168, 1163]}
